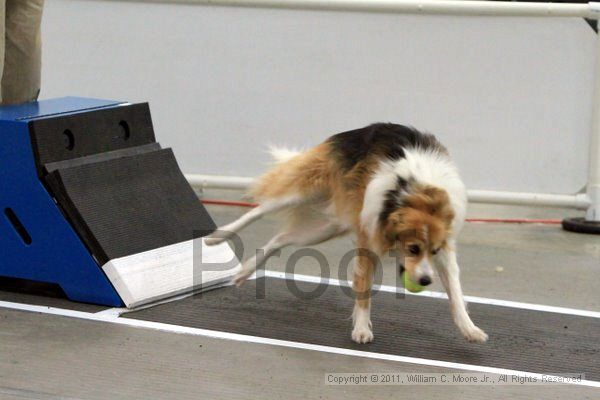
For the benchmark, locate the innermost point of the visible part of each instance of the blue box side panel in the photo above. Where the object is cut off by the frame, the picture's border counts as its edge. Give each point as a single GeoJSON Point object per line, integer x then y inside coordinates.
{"type": "Point", "coordinates": [56, 254]}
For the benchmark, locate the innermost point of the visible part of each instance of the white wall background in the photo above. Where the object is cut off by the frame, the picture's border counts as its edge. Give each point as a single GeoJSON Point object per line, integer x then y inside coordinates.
{"type": "Point", "coordinates": [509, 96]}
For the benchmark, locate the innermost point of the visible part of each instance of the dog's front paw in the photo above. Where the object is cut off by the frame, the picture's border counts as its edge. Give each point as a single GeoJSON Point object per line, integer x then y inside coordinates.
{"type": "Point", "coordinates": [475, 335]}
{"type": "Point", "coordinates": [362, 334]}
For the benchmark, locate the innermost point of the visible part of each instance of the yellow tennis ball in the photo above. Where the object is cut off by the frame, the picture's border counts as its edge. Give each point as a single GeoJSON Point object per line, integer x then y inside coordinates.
{"type": "Point", "coordinates": [410, 285]}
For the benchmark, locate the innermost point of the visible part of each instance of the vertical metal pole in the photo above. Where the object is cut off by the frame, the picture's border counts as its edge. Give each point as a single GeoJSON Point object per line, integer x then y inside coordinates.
{"type": "Point", "coordinates": [591, 223]}
{"type": "Point", "coordinates": [593, 184]}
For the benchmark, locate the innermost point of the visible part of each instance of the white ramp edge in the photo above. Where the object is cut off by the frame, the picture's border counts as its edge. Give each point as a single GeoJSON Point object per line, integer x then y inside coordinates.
{"type": "Point", "coordinates": [169, 271]}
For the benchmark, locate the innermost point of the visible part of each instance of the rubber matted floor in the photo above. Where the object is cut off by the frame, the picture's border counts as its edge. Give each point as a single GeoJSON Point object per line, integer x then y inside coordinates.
{"type": "Point", "coordinates": [414, 326]}
{"type": "Point", "coordinates": [41, 294]}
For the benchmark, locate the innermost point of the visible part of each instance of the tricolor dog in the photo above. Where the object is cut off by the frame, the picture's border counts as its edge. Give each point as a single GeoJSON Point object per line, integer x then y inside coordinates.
{"type": "Point", "coordinates": [391, 186]}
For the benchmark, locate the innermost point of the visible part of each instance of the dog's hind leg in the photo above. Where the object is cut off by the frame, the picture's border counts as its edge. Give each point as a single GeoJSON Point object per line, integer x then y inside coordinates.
{"type": "Point", "coordinates": [302, 235]}
{"type": "Point", "coordinates": [268, 206]}
{"type": "Point", "coordinates": [300, 180]}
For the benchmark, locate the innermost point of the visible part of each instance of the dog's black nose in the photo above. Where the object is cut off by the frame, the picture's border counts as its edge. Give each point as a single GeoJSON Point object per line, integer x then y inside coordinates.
{"type": "Point", "coordinates": [424, 281]}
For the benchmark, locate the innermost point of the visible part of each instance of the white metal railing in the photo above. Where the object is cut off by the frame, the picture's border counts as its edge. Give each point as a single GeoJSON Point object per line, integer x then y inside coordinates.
{"type": "Point", "coordinates": [446, 7]}
{"type": "Point", "coordinates": [580, 201]}
{"type": "Point", "coordinates": [589, 200]}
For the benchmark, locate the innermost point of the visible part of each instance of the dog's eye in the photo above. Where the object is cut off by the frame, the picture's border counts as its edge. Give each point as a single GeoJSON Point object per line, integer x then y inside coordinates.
{"type": "Point", "coordinates": [414, 250]}
{"type": "Point", "coordinates": [434, 251]}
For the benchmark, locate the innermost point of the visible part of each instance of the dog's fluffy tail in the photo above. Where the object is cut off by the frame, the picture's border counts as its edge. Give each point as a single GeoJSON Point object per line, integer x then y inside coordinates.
{"type": "Point", "coordinates": [293, 173]}
{"type": "Point", "coordinates": [282, 154]}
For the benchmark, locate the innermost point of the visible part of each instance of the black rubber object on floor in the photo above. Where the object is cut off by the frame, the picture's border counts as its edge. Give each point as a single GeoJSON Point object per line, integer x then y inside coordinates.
{"type": "Point", "coordinates": [524, 340]}
{"type": "Point", "coordinates": [580, 225]}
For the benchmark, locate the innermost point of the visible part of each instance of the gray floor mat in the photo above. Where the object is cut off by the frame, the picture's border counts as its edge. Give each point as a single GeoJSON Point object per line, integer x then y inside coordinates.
{"type": "Point", "coordinates": [524, 340]}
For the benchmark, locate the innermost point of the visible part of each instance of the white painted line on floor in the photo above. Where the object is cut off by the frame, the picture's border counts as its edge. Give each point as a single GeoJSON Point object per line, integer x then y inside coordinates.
{"type": "Point", "coordinates": [118, 311]}
{"type": "Point", "coordinates": [437, 295]}
{"type": "Point", "coordinates": [111, 318]}
{"type": "Point", "coordinates": [113, 312]}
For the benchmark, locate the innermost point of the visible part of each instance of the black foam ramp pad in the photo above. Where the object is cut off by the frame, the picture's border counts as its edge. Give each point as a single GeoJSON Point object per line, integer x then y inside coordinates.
{"type": "Point", "coordinates": [65, 137]}
{"type": "Point", "coordinates": [130, 204]}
